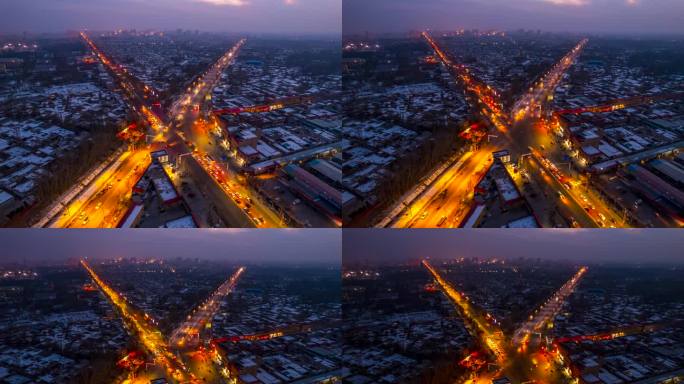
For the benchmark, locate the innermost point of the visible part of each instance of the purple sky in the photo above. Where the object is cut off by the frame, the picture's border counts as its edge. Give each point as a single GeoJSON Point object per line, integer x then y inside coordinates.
{"type": "Point", "coordinates": [251, 16]}
{"type": "Point", "coordinates": [262, 245]}
{"type": "Point", "coordinates": [583, 16]}
{"type": "Point", "coordinates": [628, 246]}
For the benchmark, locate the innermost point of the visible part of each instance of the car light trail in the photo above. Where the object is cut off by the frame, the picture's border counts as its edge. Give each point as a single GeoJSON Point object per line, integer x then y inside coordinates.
{"type": "Point", "coordinates": [545, 364]}
{"type": "Point", "coordinates": [549, 309]}
{"type": "Point", "coordinates": [446, 202]}
{"type": "Point", "coordinates": [102, 204]}
{"type": "Point", "coordinates": [148, 335]}
{"type": "Point", "coordinates": [485, 95]}
{"type": "Point", "coordinates": [489, 334]}
{"type": "Point", "coordinates": [262, 216]}
{"type": "Point", "coordinates": [188, 332]}
{"type": "Point", "coordinates": [537, 94]}
{"type": "Point", "coordinates": [235, 189]}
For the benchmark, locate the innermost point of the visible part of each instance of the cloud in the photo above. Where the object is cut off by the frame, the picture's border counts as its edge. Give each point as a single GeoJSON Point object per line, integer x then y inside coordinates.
{"type": "Point", "coordinates": [234, 3]}
{"type": "Point", "coordinates": [575, 3]}
{"type": "Point", "coordinates": [240, 3]}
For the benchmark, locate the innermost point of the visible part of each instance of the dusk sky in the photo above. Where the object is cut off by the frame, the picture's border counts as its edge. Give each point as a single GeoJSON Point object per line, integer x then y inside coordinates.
{"type": "Point", "coordinates": [587, 246]}
{"type": "Point", "coordinates": [281, 246]}
{"type": "Point", "coordinates": [250, 16]}
{"type": "Point", "coordinates": [583, 16]}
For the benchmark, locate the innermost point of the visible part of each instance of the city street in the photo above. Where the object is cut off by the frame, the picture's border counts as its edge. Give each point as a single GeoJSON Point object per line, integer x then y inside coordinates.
{"type": "Point", "coordinates": [529, 135]}
{"type": "Point", "coordinates": [446, 202]}
{"type": "Point", "coordinates": [108, 197]}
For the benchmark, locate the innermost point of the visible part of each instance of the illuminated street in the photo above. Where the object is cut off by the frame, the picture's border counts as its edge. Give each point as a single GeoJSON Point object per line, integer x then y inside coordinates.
{"type": "Point", "coordinates": [583, 143]}
{"type": "Point", "coordinates": [558, 307]}
{"type": "Point", "coordinates": [188, 356]}
{"type": "Point", "coordinates": [485, 95]}
{"type": "Point", "coordinates": [164, 159]}
{"type": "Point", "coordinates": [554, 308]}
{"type": "Point", "coordinates": [172, 306]}
{"type": "Point", "coordinates": [143, 326]}
{"type": "Point", "coordinates": [446, 202]}
{"type": "Point", "coordinates": [105, 201]}
{"type": "Point", "coordinates": [188, 333]}
{"type": "Point", "coordinates": [533, 101]}
{"type": "Point", "coordinates": [108, 197]}
{"type": "Point", "coordinates": [548, 311]}
{"type": "Point", "coordinates": [195, 132]}
{"type": "Point", "coordinates": [524, 363]}
{"type": "Point", "coordinates": [483, 325]}
{"type": "Point", "coordinates": [527, 133]}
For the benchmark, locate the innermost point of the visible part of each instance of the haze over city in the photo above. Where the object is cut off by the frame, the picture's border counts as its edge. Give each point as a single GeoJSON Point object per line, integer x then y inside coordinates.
{"type": "Point", "coordinates": [581, 16]}
{"type": "Point", "coordinates": [585, 246]}
{"type": "Point", "coordinates": [234, 245]}
{"type": "Point", "coordinates": [245, 16]}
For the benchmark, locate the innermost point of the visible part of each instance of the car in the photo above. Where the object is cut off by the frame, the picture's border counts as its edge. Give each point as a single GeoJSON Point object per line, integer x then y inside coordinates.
{"type": "Point", "coordinates": [441, 221]}
{"type": "Point", "coordinates": [424, 215]}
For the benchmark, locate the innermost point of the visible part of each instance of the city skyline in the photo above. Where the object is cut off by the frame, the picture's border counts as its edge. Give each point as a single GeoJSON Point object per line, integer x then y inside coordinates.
{"type": "Point", "coordinates": [297, 17]}
{"type": "Point", "coordinates": [234, 245]}
{"type": "Point", "coordinates": [630, 246]}
{"type": "Point", "coordinates": [577, 16]}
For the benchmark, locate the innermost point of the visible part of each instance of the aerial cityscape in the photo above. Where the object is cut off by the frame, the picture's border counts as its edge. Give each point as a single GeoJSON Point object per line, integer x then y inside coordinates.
{"type": "Point", "coordinates": [469, 315]}
{"type": "Point", "coordinates": [507, 128]}
{"type": "Point", "coordinates": [422, 122]}
{"type": "Point", "coordinates": [341, 191]}
{"type": "Point", "coordinates": [173, 128]}
{"type": "Point", "coordinates": [206, 315]}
